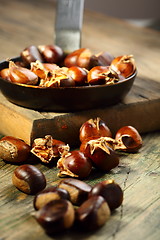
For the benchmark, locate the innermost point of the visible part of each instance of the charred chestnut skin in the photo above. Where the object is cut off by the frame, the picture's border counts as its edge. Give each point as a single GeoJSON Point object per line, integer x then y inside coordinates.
{"type": "Point", "coordinates": [110, 191]}
{"type": "Point", "coordinates": [28, 179]}
{"type": "Point", "coordinates": [92, 214]}
{"type": "Point", "coordinates": [128, 139]}
{"type": "Point", "coordinates": [14, 150]}
{"type": "Point", "coordinates": [78, 190]}
{"type": "Point", "coordinates": [74, 164]}
{"type": "Point", "coordinates": [49, 194]}
{"type": "Point", "coordinates": [56, 216]}
{"type": "Point", "coordinates": [94, 127]}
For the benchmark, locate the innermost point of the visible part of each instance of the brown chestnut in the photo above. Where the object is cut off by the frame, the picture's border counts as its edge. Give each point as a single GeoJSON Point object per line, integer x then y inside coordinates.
{"type": "Point", "coordinates": [124, 65]}
{"type": "Point", "coordinates": [94, 127]}
{"type": "Point", "coordinates": [101, 59]}
{"type": "Point", "coordinates": [110, 191]}
{"type": "Point", "coordinates": [51, 53]}
{"type": "Point", "coordinates": [101, 154]}
{"type": "Point", "coordinates": [49, 194]}
{"type": "Point", "coordinates": [80, 57]}
{"type": "Point", "coordinates": [100, 75]}
{"type": "Point", "coordinates": [21, 75]}
{"type": "Point", "coordinates": [30, 54]}
{"type": "Point", "coordinates": [56, 216]}
{"type": "Point", "coordinates": [4, 73]}
{"type": "Point", "coordinates": [77, 189]}
{"type": "Point", "coordinates": [93, 213]}
{"type": "Point", "coordinates": [47, 148]}
{"type": "Point", "coordinates": [28, 179]}
{"type": "Point", "coordinates": [74, 164]}
{"type": "Point", "coordinates": [78, 74]}
{"type": "Point", "coordinates": [128, 139]}
{"type": "Point", "coordinates": [14, 150]}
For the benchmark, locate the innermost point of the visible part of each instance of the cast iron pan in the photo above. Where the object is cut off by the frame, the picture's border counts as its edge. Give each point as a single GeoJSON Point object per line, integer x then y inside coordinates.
{"type": "Point", "coordinates": [64, 99]}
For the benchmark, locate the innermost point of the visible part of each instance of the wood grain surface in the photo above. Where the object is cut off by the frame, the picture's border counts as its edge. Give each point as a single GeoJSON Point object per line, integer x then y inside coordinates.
{"type": "Point", "coordinates": [26, 22]}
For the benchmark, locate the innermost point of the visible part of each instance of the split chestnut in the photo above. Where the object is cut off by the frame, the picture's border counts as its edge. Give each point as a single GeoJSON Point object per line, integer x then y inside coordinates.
{"type": "Point", "coordinates": [128, 139]}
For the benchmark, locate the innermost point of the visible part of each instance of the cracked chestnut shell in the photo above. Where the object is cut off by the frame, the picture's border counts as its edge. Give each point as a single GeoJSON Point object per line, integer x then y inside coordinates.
{"type": "Point", "coordinates": [100, 75]}
{"type": "Point", "coordinates": [94, 127]}
{"type": "Point", "coordinates": [92, 214]}
{"type": "Point", "coordinates": [124, 65]}
{"type": "Point", "coordinates": [110, 191]}
{"type": "Point", "coordinates": [47, 148]}
{"type": "Point", "coordinates": [14, 150]}
{"type": "Point", "coordinates": [28, 179]}
{"type": "Point", "coordinates": [56, 216]}
{"type": "Point", "coordinates": [100, 152]}
{"type": "Point", "coordinates": [128, 139]}
{"type": "Point", "coordinates": [77, 189]}
{"type": "Point", "coordinates": [49, 194]}
{"type": "Point", "coordinates": [74, 164]}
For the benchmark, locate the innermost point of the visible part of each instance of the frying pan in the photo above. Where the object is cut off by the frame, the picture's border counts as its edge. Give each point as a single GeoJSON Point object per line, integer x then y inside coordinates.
{"type": "Point", "coordinates": [64, 99]}
{"type": "Point", "coordinates": [68, 37]}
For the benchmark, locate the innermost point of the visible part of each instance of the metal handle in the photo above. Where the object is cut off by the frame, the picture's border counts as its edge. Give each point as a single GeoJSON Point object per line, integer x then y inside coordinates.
{"type": "Point", "coordinates": [69, 18]}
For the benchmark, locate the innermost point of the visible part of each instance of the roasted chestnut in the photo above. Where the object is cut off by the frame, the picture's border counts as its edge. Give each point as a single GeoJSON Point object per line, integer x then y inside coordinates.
{"type": "Point", "coordinates": [58, 78]}
{"type": "Point", "coordinates": [42, 69]}
{"type": "Point", "coordinates": [28, 179]}
{"type": "Point", "coordinates": [128, 139]}
{"type": "Point", "coordinates": [94, 127]}
{"type": "Point", "coordinates": [22, 75]}
{"type": "Point", "coordinates": [101, 59]}
{"type": "Point", "coordinates": [56, 216]}
{"type": "Point", "coordinates": [77, 189]}
{"type": "Point", "coordinates": [92, 214]}
{"type": "Point", "coordinates": [30, 54]}
{"type": "Point", "coordinates": [78, 74]}
{"type": "Point", "coordinates": [14, 150]}
{"type": "Point", "coordinates": [101, 154]}
{"type": "Point", "coordinates": [47, 148]}
{"type": "Point", "coordinates": [100, 75]}
{"type": "Point", "coordinates": [110, 191]}
{"type": "Point", "coordinates": [74, 164]}
{"type": "Point", "coordinates": [49, 194]}
{"type": "Point", "coordinates": [124, 65]}
{"type": "Point", "coordinates": [4, 73]}
{"type": "Point", "coordinates": [80, 57]}
{"type": "Point", "coordinates": [51, 53]}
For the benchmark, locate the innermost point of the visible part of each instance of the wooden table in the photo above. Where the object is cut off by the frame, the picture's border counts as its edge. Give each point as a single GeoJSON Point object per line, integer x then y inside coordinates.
{"type": "Point", "coordinates": [26, 22]}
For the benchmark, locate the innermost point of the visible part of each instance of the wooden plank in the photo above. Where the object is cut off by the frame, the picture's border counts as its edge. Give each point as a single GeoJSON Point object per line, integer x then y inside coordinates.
{"type": "Point", "coordinates": [143, 102]}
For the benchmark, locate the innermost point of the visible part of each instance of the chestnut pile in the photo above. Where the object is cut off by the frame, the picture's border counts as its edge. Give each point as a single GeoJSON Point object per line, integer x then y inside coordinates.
{"type": "Point", "coordinates": [46, 66]}
{"type": "Point", "coordinates": [71, 203]}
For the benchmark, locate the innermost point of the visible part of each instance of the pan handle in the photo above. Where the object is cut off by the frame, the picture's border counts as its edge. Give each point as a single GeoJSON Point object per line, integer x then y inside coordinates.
{"type": "Point", "coordinates": [68, 24]}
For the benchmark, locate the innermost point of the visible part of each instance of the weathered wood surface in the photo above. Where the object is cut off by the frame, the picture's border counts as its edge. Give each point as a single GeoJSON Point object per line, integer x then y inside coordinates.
{"type": "Point", "coordinates": [25, 22]}
{"type": "Point", "coordinates": [139, 176]}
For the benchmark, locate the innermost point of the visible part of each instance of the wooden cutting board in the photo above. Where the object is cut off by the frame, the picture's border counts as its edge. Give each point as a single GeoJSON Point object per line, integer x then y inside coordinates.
{"type": "Point", "coordinates": [140, 109]}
